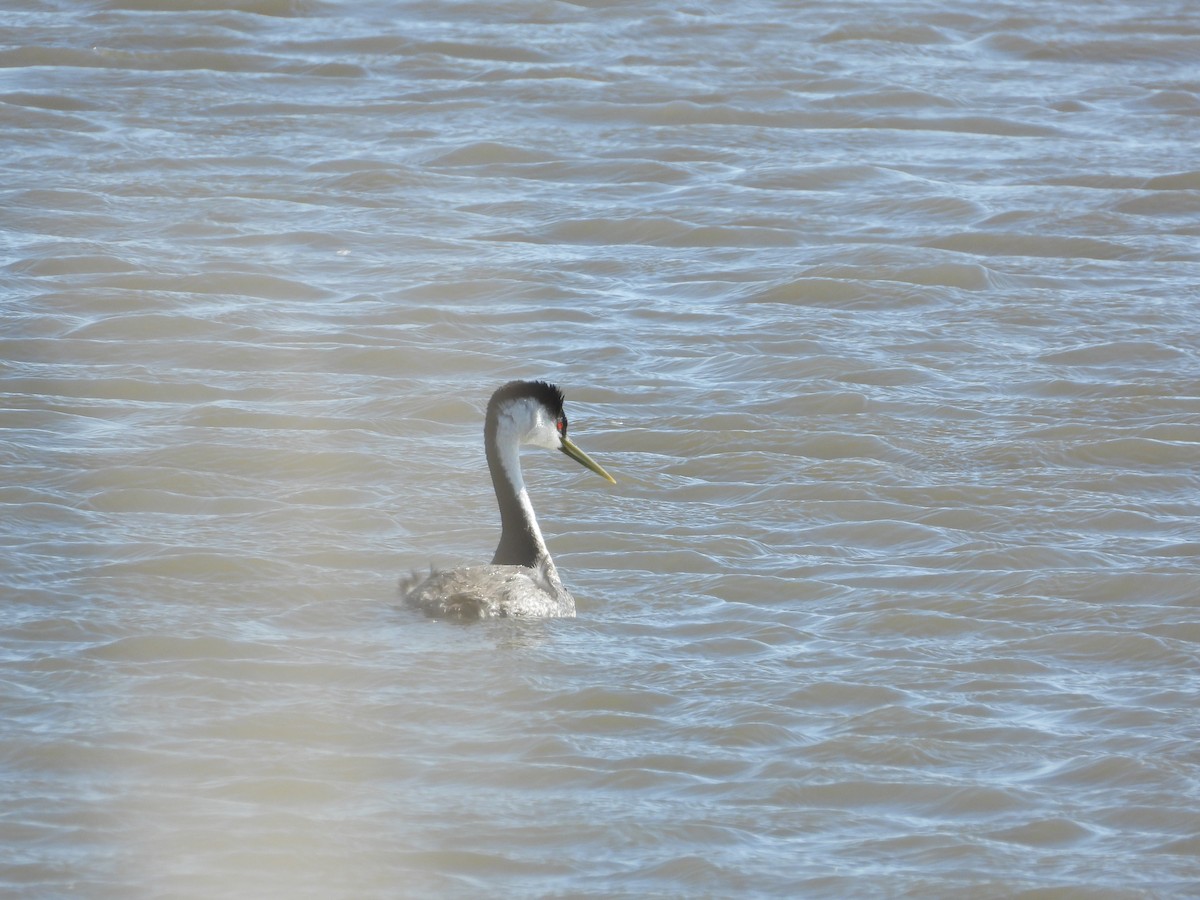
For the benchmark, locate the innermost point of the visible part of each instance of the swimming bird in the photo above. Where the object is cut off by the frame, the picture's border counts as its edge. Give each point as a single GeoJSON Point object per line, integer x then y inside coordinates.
{"type": "Point", "coordinates": [522, 579]}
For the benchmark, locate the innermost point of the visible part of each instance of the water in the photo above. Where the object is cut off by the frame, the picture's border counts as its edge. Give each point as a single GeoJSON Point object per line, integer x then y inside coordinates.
{"type": "Point", "coordinates": [883, 315]}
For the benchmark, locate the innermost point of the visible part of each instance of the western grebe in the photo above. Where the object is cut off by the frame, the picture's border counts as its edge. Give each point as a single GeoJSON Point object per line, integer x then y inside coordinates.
{"type": "Point", "coordinates": [522, 580]}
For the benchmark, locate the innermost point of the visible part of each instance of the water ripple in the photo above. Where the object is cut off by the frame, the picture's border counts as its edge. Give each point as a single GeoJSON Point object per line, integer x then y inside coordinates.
{"type": "Point", "coordinates": [883, 317]}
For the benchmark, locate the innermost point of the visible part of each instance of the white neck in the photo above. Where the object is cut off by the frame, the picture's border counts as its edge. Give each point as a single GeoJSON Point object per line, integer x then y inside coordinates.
{"type": "Point", "coordinates": [510, 463]}
{"type": "Point", "coordinates": [521, 539]}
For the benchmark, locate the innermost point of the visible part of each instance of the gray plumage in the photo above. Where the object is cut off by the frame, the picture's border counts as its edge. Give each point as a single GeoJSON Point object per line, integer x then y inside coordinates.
{"type": "Point", "coordinates": [522, 579]}
{"type": "Point", "coordinates": [490, 592]}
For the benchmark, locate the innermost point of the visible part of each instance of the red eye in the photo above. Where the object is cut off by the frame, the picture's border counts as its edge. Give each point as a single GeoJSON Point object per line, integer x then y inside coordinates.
{"type": "Point", "coordinates": [562, 425]}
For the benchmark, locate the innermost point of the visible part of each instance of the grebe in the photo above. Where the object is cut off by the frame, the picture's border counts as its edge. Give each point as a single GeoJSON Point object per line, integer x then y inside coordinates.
{"type": "Point", "coordinates": [522, 579]}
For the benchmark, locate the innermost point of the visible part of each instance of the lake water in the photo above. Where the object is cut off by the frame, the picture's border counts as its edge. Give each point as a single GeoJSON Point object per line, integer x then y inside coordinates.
{"type": "Point", "coordinates": [885, 316]}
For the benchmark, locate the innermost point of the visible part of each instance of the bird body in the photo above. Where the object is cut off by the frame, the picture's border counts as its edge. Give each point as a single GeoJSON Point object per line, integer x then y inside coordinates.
{"type": "Point", "coordinates": [492, 592]}
{"type": "Point", "coordinates": [522, 579]}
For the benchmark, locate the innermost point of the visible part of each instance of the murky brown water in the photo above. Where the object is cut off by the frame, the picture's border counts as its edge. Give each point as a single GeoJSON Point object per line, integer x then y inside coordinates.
{"type": "Point", "coordinates": [885, 316]}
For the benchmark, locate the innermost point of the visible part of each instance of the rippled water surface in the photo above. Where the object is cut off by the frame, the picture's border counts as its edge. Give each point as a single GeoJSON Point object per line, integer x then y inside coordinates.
{"type": "Point", "coordinates": [885, 316]}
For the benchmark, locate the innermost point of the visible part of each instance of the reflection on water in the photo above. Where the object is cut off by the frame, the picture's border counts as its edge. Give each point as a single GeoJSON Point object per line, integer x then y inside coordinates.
{"type": "Point", "coordinates": [886, 315]}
